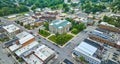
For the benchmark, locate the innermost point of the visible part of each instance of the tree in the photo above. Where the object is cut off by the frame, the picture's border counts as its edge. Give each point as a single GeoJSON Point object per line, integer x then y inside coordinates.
{"type": "Point", "coordinates": [115, 6]}
{"type": "Point", "coordinates": [46, 24]}
{"type": "Point", "coordinates": [110, 20]}
{"type": "Point", "coordinates": [73, 12]}
{"type": "Point", "coordinates": [65, 5]}
{"type": "Point", "coordinates": [20, 60]}
{"type": "Point", "coordinates": [21, 23]}
{"type": "Point", "coordinates": [9, 7]}
{"type": "Point", "coordinates": [66, 9]}
{"type": "Point", "coordinates": [74, 31]}
{"type": "Point", "coordinates": [81, 26]}
{"type": "Point", "coordinates": [27, 26]}
{"type": "Point", "coordinates": [17, 22]}
{"type": "Point", "coordinates": [81, 58]}
{"type": "Point", "coordinates": [92, 7]}
{"type": "Point", "coordinates": [44, 33]}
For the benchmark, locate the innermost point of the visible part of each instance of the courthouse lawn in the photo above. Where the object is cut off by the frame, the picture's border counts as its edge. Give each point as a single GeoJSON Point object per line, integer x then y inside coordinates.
{"type": "Point", "coordinates": [60, 39]}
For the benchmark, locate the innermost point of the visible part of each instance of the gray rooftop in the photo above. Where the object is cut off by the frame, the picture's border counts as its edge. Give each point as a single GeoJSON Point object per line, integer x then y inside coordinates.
{"type": "Point", "coordinates": [103, 36]}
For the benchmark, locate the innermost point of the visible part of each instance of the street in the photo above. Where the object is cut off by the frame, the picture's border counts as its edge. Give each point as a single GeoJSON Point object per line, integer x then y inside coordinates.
{"type": "Point", "coordinates": [4, 59]}
{"type": "Point", "coordinates": [64, 52]}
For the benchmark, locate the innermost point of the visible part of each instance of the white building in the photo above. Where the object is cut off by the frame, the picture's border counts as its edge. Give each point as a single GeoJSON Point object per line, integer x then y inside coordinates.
{"type": "Point", "coordinates": [11, 30]}
{"type": "Point", "coordinates": [91, 51]}
{"type": "Point", "coordinates": [40, 55]}
{"type": "Point", "coordinates": [60, 26]}
{"type": "Point", "coordinates": [24, 49]}
{"type": "Point", "coordinates": [24, 38]}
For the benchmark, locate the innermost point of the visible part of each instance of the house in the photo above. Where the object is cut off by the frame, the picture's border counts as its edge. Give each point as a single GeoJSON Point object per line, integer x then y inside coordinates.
{"type": "Point", "coordinates": [60, 26]}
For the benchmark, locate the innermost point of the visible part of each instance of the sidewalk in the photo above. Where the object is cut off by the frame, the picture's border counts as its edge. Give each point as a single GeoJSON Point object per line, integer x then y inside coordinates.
{"type": "Point", "coordinates": [12, 55]}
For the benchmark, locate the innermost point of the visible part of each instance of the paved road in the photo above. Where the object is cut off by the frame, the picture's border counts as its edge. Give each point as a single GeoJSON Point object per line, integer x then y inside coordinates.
{"type": "Point", "coordinates": [66, 51]}
{"type": "Point", "coordinates": [4, 59]}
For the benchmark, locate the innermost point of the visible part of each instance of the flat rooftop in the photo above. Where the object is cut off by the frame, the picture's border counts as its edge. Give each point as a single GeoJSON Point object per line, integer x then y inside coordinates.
{"type": "Point", "coordinates": [102, 35]}
{"type": "Point", "coordinates": [92, 43]}
{"type": "Point", "coordinates": [91, 48]}
{"type": "Point", "coordinates": [11, 42]}
{"type": "Point", "coordinates": [32, 59]}
{"type": "Point", "coordinates": [43, 52]}
{"type": "Point", "coordinates": [24, 37]}
{"type": "Point", "coordinates": [26, 48]}
{"type": "Point", "coordinates": [14, 47]}
{"type": "Point", "coordinates": [26, 19]}
{"type": "Point", "coordinates": [11, 28]}
{"type": "Point", "coordinates": [86, 48]}
{"type": "Point", "coordinates": [39, 55]}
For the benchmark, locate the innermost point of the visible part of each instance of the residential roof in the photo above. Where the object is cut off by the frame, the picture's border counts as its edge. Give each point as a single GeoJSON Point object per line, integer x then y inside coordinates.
{"type": "Point", "coordinates": [11, 28]}
{"type": "Point", "coordinates": [60, 23]}
{"type": "Point", "coordinates": [86, 48]}
{"type": "Point", "coordinates": [24, 37]}
{"type": "Point", "coordinates": [26, 48]}
{"type": "Point", "coordinates": [43, 52]}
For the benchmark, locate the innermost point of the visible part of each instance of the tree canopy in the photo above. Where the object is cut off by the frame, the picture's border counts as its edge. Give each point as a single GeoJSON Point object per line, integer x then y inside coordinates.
{"type": "Point", "coordinates": [17, 6]}
{"type": "Point", "coordinates": [115, 6]}
{"type": "Point", "coordinates": [113, 21]}
{"type": "Point", "coordinates": [93, 7]}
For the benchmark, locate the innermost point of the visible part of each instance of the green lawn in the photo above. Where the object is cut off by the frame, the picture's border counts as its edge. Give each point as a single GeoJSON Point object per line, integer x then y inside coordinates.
{"type": "Point", "coordinates": [44, 33]}
{"type": "Point", "coordinates": [52, 38]}
{"type": "Point", "coordinates": [60, 39]}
